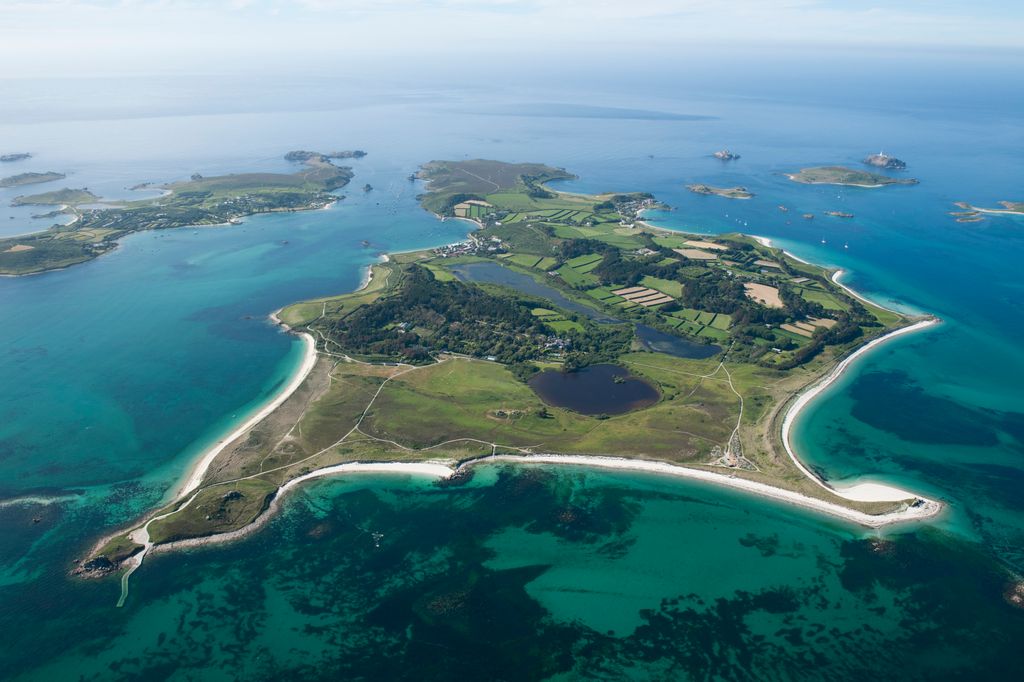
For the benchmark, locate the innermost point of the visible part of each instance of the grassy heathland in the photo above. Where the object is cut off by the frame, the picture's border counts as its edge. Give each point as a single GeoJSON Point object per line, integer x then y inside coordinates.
{"type": "Point", "coordinates": [424, 363]}
{"type": "Point", "coordinates": [197, 201]}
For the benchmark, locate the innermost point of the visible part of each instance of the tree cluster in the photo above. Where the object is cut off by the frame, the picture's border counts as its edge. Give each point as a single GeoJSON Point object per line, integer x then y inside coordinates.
{"type": "Point", "coordinates": [426, 316]}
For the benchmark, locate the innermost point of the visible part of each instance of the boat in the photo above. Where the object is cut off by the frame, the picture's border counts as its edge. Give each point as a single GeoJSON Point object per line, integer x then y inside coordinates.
{"type": "Point", "coordinates": [726, 155]}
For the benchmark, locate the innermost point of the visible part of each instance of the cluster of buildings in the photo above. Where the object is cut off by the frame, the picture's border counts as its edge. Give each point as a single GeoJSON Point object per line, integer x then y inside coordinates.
{"type": "Point", "coordinates": [471, 247]}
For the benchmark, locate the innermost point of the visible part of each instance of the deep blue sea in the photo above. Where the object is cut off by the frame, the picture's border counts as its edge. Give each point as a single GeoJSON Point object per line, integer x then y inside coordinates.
{"type": "Point", "coordinates": [116, 373]}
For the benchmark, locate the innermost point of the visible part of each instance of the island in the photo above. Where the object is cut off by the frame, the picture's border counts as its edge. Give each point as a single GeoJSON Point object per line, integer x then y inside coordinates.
{"type": "Point", "coordinates": [60, 197]}
{"type": "Point", "coordinates": [974, 214]}
{"type": "Point", "coordinates": [727, 192]}
{"type": "Point", "coordinates": [565, 329]}
{"type": "Point", "coordinates": [883, 160]}
{"type": "Point", "coordinates": [302, 155]}
{"type": "Point", "coordinates": [838, 175]}
{"type": "Point", "coordinates": [30, 179]}
{"type": "Point", "coordinates": [8, 158]}
{"type": "Point", "coordinates": [200, 200]}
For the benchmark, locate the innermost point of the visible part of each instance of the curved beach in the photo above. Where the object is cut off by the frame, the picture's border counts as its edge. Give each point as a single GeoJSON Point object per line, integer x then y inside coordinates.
{"type": "Point", "coordinates": [440, 470]}
{"type": "Point", "coordinates": [862, 492]}
{"type": "Point", "coordinates": [202, 464]}
{"type": "Point", "coordinates": [913, 507]}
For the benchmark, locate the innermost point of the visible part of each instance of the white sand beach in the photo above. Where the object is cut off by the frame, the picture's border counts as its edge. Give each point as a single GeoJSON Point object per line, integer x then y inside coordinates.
{"type": "Point", "coordinates": [199, 469]}
{"type": "Point", "coordinates": [862, 492]}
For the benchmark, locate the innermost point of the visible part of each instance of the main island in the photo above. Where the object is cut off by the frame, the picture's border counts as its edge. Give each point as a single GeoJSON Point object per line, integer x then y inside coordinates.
{"type": "Point", "coordinates": [565, 329]}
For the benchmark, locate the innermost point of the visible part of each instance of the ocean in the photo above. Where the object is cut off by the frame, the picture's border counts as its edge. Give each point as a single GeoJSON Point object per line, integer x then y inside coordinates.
{"type": "Point", "coordinates": [117, 372]}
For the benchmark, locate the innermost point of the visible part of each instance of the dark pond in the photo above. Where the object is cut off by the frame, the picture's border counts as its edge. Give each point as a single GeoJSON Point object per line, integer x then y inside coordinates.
{"type": "Point", "coordinates": [593, 390]}
{"type": "Point", "coordinates": [492, 273]}
{"type": "Point", "coordinates": [660, 342]}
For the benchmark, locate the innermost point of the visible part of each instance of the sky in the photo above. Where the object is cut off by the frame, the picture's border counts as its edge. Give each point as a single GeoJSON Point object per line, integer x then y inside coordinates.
{"type": "Point", "coordinates": [72, 37]}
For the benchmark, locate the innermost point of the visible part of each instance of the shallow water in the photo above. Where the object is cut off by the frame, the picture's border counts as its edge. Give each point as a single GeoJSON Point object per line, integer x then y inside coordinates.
{"type": "Point", "coordinates": [117, 372]}
{"type": "Point", "coordinates": [538, 571]}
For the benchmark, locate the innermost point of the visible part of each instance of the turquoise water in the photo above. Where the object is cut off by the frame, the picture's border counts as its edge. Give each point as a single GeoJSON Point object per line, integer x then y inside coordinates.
{"type": "Point", "coordinates": [115, 373]}
{"type": "Point", "coordinates": [526, 573]}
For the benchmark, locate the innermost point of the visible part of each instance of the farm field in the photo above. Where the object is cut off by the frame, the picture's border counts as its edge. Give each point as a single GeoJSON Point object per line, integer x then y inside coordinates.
{"type": "Point", "coordinates": [428, 363]}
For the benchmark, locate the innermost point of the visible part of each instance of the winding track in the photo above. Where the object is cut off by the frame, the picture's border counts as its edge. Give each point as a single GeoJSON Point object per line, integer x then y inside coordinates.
{"type": "Point", "coordinates": [863, 492]}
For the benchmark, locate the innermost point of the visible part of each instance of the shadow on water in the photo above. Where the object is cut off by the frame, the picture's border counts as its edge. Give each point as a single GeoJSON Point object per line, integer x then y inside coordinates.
{"type": "Point", "coordinates": [597, 389]}
{"type": "Point", "coordinates": [492, 273]}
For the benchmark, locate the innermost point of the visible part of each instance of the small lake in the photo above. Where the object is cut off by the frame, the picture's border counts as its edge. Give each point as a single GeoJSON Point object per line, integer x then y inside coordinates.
{"type": "Point", "coordinates": [593, 390]}
{"type": "Point", "coordinates": [492, 273]}
{"type": "Point", "coordinates": [660, 342]}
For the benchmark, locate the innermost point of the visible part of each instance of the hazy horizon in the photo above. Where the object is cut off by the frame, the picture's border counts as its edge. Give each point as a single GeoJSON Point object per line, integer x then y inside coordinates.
{"type": "Point", "coordinates": [55, 38]}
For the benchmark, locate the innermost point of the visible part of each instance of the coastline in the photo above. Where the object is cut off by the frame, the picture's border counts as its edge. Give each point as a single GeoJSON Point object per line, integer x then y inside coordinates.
{"type": "Point", "coordinates": [232, 221]}
{"type": "Point", "coordinates": [922, 508]}
{"type": "Point", "coordinates": [861, 492]}
{"type": "Point", "coordinates": [922, 511]}
{"type": "Point", "coordinates": [188, 490]}
{"type": "Point", "coordinates": [996, 211]}
{"type": "Point", "coordinates": [837, 275]}
{"type": "Point", "coordinates": [914, 507]}
{"type": "Point", "coordinates": [202, 464]}
{"type": "Point", "coordinates": [792, 176]}
{"type": "Point", "coordinates": [441, 470]}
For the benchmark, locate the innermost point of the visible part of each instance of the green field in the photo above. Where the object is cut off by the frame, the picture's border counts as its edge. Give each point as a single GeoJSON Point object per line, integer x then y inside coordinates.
{"type": "Point", "coordinates": [546, 263]}
{"type": "Point", "coordinates": [460, 398]}
{"type": "Point", "coordinates": [582, 261]}
{"type": "Point", "coordinates": [575, 278]}
{"type": "Point", "coordinates": [389, 385]}
{"type": "Point", "coordinates": [383, 276]}
{"type": "Point", "coordinates": [440, 273]}
{"type": "Point", "coordinates": [665, 286]}
{"type": "Point", "coordinates": [527, 260]}
{"type": "Point", "coordinates": [827, 300]}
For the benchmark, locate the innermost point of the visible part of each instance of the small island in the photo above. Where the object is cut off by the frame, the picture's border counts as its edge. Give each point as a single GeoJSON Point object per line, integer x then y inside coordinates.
{"type": "Point", "coordinates": [883, 160]}
{"type": "Point", "coordinates": [60, 197]}
{"type": "Point", "coordinates": [564, 329]}
{"type": "Point", "coordinates": [839, 175]}
{"type": "Point", "coordinates": [727, 192]}
{"type": "Point", "coordinates": [974, 214]}
{"type": "Point", "coordinates": [30, 179]}
{"type": "Point", "coordinates": [8, 158]}
{"type": "Point", "coordinates": [214, 200]}
{"type": "Point", "coordinates": [303, 156]}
